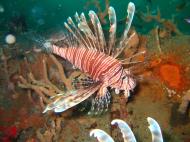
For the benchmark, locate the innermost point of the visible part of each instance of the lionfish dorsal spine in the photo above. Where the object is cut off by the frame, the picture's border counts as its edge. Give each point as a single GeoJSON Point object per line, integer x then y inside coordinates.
{"type": "Point", "coordinates": [75, 33]}
{"type": "Point", "coordinates": [124, 40]}
{"type": "Point", "coordinates": [93, 38]}
{"type": "Point", "coordinates": [72, 32]}
{"type": "Point", "coordinates": [83, 26]}
{"type": "Point", "coordinates": [91, 15]}
{"type": "Point", "coordinates": [130, 11]}
{"type": "Point", "coordinates": [81, 31]}
{"type": "Point", "coordinates": [112, 30]}
{"type": "Point", "coordinates": [98, 28]}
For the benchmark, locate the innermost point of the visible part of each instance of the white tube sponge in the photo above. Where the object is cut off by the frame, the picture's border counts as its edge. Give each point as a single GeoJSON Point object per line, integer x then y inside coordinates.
{"type": "Point", "coordinates": [126, 131]}
{"type": "Point", "coordinates": [155, 130]}
{"type": "Point", "coordinates": [101, 135]}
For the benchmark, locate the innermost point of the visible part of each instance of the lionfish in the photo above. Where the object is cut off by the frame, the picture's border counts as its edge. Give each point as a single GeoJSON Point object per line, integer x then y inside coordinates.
{"type": "Point", "coordinates": [86, 48]}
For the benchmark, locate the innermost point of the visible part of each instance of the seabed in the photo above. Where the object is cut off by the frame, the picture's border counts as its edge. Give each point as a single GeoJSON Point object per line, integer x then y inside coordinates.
{"type": "Point", "coordinates": [159, 94]}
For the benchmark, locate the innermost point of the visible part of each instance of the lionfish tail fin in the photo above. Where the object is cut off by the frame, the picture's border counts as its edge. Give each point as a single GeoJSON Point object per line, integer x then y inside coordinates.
{"type": "Point", "coordinates": [71, 99]}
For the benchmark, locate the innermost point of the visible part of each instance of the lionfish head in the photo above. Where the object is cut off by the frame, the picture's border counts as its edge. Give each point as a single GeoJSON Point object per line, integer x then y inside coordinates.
{"type": "Point", "coordinates": [129, 83]}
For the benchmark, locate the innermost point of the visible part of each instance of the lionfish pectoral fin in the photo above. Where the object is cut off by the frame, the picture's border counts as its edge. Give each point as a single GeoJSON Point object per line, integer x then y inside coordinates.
{"type": "Point", "coordinates": [101, 101]}
{"type": "Point", "coordinates": [64, 102]}
{"type": "Point", "coordinates": [57, 95]}
{"type": "Point", "coordinates": [82, 82]}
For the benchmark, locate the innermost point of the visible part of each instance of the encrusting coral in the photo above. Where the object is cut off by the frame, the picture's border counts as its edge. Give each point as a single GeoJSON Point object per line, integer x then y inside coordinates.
{"type": "Point", "coordinates": [52, 131]}
{"type": "Point", "coordinates": [44, 88]}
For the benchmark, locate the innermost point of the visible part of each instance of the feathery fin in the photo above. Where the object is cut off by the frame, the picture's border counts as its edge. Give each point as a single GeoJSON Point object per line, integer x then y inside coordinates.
{"type": "Point", "coordinates": [93, 38]}
{"type": "Point", "coordinates": [130, 11]}
{"type": "Point", "coordinates": [112, 30]}
{"type": "Point", "coordinates": [64, 102]}
{"type": "Point", "coordinates": [98, 29]}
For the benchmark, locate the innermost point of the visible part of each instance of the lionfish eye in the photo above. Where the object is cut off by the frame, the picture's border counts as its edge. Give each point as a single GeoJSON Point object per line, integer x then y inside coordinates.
{"type": "Point", "coordinates": [124, 77]}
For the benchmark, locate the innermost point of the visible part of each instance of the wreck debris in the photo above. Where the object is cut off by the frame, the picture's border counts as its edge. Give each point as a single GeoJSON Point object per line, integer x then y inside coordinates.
{"type": "Point", "coordinates": [44, 88]}
{"type": "Point", "coordinates": [185, 103]}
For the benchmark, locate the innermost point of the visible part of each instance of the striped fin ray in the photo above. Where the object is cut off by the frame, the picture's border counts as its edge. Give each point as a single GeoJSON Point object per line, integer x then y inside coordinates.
{"type": "Point", "coordinates": [83, 26]}
{"type": "Point", "coordinates": [87, 35]}
{"type": "Point", "coordinates": [125, 38]}
{"type": "Point", "coordinates": [93, 37]}
{"type": "Point", "coordinates": [81, 31]}
{"type": "Point", "coordinates": [76, 34]}
{"type": "Point", "coordinates": [112, 30]}
{"type": "Point", "coordinates": [98, 30]}
{"type": "Point", "coordinates": [63, 102]}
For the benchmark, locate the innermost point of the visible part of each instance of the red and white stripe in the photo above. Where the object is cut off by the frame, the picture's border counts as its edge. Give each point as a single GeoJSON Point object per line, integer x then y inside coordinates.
{"type": "Point", "coordinates": [97, 64]}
